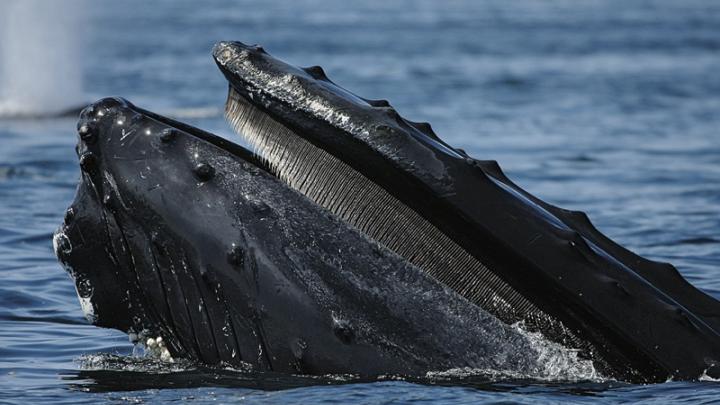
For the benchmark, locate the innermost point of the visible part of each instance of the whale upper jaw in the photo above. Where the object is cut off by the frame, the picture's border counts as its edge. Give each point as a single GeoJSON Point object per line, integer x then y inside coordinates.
{"type": "Point", "coordinates": [466, 224]}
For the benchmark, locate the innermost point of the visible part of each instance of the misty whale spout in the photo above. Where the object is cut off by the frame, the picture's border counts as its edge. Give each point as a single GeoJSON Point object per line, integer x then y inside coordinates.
{"type": "Point", "coordinates": [354, 241]}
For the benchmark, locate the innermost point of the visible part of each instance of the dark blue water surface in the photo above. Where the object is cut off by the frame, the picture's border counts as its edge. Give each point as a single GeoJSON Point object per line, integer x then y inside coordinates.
{"type": "Point", "coordinates": [612, 107]}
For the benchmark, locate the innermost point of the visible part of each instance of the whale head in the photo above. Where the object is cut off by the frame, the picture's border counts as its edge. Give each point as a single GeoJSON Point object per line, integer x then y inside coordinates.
{"type": "Point", "coordinates": [352, 241]}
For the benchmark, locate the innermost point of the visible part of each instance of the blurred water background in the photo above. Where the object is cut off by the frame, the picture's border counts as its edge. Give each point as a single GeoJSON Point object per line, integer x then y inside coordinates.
{"type": "Point", "coordinates": [611, 107]}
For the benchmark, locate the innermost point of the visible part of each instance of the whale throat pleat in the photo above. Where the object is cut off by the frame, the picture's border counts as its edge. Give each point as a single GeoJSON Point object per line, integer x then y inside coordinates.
{"type": "Point", "coordinates": [366, 206]}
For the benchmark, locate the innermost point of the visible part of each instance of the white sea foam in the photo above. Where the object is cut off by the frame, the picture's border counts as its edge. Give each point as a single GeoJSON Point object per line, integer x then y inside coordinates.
{"type": "Point", "coordinates": [557, 362]}
{"type": "Point", "coordinates": [107, 361]}
{"type": "Point", "coordinates": [553, 362]}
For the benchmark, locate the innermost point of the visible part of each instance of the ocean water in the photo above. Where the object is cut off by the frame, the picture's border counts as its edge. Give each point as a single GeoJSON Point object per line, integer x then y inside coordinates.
{"type": "Point", "coordinates": [611, 107]}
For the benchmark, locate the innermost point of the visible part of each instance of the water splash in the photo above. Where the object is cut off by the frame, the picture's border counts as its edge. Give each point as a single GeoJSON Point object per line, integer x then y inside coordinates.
{"type": "Point", "coordinates": [553, 362]}
{"type": "Point", "coordinates": [40, 49]}
{"type": "Point", "coordinates": [116, 362]}
{"type": "Point", "coordinates": [557, 362]}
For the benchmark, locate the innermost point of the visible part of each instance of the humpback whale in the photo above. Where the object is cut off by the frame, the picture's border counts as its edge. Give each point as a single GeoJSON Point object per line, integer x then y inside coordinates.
{"type": "Point", "coordinates": [353, 241]}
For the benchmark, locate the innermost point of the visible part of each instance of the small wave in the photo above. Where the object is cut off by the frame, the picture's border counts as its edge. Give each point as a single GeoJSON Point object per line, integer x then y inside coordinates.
{"type": "Point", "coordinates": [38, 171]}
{"type": "Point", "coordinates": [700, 240]}
{"type": "Point", "coordinates": [580, 158]}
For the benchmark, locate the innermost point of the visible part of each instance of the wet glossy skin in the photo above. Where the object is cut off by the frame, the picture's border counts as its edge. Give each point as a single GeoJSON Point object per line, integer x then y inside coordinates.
{"type": "Point", "coordinates": [179, 234]}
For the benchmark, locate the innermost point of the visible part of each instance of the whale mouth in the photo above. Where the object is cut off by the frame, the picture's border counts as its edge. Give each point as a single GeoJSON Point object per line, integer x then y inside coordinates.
{"type": "Point", "coordinates": [365, 205]}
{"type": "Point", "coordinates": [458, 219]}
{"type": "Point", "coordinates": [299, 149]}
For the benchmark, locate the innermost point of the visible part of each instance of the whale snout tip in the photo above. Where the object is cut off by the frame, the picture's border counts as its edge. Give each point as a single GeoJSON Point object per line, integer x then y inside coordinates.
{"type": "Point", "coordinates": [108, 103]}
{"type": "Point", "coordinates": [100, 111]}
{"type": "Point", "coordinates": [97, 118]}
{"type": "Point", "coordinates": [221, 46]}
{"type": "Point", "coordinates": [225, 52]}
